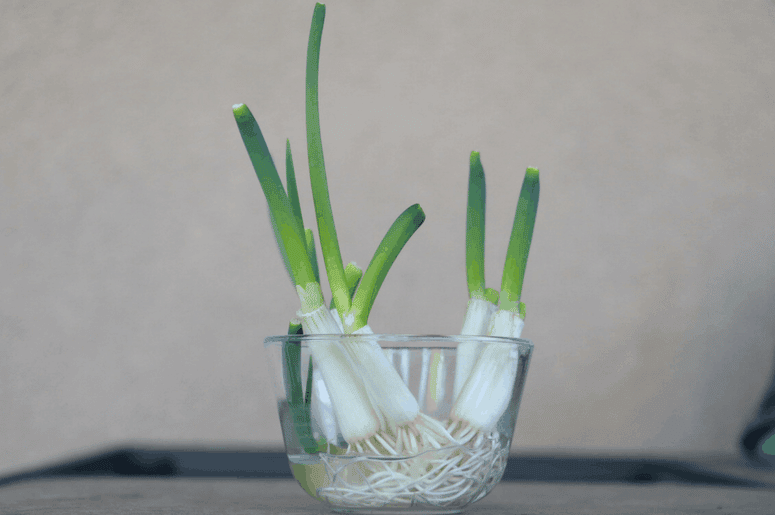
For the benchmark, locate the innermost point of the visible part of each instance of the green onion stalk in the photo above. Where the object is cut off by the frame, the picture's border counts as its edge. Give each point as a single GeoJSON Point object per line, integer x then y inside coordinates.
{"type": "Point", "coordinates": [322, 411]}
{"type": "Point", "coordinates": [494, 370]}
{"type": "Point", "coordinates": [315, 318]}
{"type": "Point", "coordinates": [482, 301]}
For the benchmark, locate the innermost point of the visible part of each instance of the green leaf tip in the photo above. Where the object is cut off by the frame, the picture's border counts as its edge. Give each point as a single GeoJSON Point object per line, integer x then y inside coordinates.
{"type": "Point", "coordinates": [241, 112]}
{"type": "Point", "coordinates": [419, 214]}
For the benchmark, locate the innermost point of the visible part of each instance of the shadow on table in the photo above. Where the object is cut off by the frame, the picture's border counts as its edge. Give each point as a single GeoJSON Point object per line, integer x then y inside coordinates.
{"type": "Point", "coordinates": [260, 464]}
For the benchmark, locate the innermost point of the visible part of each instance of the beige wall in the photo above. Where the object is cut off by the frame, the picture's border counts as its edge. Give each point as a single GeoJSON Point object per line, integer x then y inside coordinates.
{"type": "Point", "coordinates": [138, 271]}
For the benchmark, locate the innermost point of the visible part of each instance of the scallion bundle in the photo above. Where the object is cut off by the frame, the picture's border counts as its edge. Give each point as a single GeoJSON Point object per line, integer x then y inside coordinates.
{"type": "Point", "coordinates": [485, 376]}
{"type": "Point", "coordinates": [374, 409]}
{"type": "Point", "coordinates": [352, 388]}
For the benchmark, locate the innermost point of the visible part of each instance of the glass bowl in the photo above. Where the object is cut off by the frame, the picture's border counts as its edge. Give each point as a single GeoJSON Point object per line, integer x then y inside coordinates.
{"type": "Point", "coordinates": [451, 454]}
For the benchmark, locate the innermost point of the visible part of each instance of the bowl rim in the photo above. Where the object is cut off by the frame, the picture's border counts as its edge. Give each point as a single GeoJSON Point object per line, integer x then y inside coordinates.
{"type": "Point", "coordinates": [438, 339]}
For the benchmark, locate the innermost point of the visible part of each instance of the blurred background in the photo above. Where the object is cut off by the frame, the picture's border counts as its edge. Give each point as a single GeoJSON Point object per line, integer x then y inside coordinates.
{"type": "Point", "coordinates": [138, 269]}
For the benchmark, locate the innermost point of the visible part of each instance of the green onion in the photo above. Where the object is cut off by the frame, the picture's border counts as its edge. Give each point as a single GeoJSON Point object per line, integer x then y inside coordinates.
{"type": "Point", "coordinates": [399, 233]}
{"type": "Point", "coordinates": [298, 409]}
{"type": "Point", "coordinates": [317, 393]}
{"type": "Point", "coordinates": [350, 401]}
{"type": "Point", "coordinates": [329, 243]}
{"type": "Point", "coordinates": [379, 374]}
{"type": "Point", "coordinates": [496, 367]}
{"type": "Point", "coordinates": [480, 305]}
{"type": "Point", "coordinates": [287, 230]}
{"type": "Point", "coordinates": [389, 395]}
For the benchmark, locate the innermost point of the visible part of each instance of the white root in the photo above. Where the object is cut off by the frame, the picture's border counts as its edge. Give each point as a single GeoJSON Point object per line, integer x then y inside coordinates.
{"type": "Point", "coordinates": [423, 462]}
{"type": "Point", "coordinates": [459, 471]}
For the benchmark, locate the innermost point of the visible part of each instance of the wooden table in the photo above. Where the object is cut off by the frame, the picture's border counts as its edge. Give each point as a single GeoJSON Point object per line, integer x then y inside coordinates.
{"type": "Point", "coordinates": [248, 482]}
{"type": "Point", "coordinates": [231, 496]}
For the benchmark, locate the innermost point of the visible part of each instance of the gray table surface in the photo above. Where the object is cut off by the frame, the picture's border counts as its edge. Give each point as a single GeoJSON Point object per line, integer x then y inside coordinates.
{"type": "Point", "coordinates": [262, 496]}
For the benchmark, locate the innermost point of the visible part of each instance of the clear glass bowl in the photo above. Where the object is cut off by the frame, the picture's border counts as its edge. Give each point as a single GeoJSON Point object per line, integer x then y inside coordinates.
{"type": "Point", "coordinates": [439, 462]}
